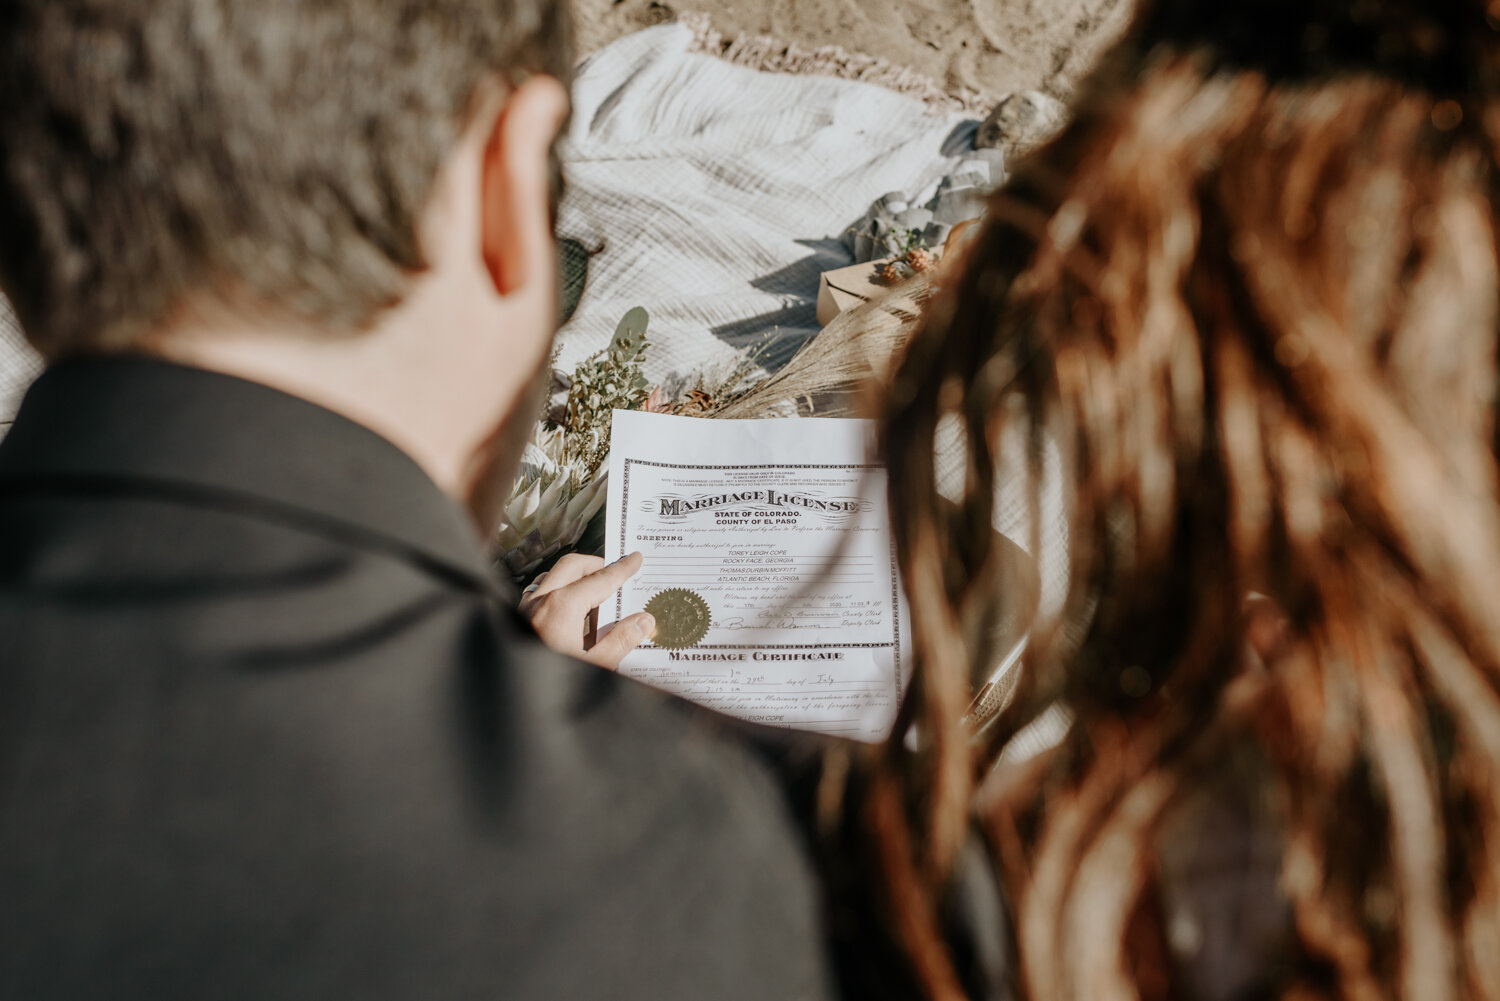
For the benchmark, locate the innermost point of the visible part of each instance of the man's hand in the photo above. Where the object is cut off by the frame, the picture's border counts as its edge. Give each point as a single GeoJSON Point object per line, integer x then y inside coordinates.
{"type": "Point", "coordinates": [561, 604]}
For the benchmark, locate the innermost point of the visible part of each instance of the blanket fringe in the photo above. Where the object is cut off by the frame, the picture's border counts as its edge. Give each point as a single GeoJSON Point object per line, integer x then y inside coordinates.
{"type": "Point", "coordinates": [762, 52]}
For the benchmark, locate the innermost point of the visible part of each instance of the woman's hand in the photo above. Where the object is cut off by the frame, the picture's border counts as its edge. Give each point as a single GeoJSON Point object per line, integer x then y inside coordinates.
{"type": "Point", "coordinates": [562, 605]}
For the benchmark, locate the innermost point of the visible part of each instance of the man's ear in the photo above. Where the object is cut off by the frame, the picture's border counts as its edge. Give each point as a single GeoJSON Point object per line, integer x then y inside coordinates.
{"type": "Point", "coordinates": [516, 235]}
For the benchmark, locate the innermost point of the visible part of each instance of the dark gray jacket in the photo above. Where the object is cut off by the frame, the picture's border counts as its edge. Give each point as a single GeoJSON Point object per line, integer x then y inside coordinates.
{"type": "Point", "coordinates": [268, 729]}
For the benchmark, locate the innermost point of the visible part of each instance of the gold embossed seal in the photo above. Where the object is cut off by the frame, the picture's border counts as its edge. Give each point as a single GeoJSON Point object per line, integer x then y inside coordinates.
{"type": "Point", "coordinates": [682, 617]}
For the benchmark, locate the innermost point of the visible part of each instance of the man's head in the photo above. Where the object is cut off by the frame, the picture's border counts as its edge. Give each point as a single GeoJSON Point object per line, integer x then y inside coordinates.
{"type": "Point", "coordinates": [350, 200]}
{"type": "Point", "coordinates": [273, 155]}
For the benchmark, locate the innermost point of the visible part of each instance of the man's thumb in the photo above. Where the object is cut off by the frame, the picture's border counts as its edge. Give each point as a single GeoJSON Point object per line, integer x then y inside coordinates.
{"type": "Point", "coordinates": [627, 634]}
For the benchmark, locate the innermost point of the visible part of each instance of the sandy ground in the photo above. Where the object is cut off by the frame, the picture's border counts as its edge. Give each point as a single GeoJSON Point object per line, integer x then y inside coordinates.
{"type": "Point", "coordinates": [993, 46]}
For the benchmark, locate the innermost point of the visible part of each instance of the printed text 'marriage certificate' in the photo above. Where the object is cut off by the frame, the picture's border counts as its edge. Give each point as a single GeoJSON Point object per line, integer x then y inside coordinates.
{"type": "Point", "coordinates": [769, 567]}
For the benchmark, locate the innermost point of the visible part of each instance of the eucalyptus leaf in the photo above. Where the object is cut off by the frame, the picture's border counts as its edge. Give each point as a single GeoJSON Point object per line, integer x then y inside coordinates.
{"type": "Point", "coordinates": [633, 326]}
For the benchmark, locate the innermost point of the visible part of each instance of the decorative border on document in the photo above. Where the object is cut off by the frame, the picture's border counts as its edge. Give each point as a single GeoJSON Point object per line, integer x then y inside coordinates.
{"type": "Point", "coordinates": [895, 643]}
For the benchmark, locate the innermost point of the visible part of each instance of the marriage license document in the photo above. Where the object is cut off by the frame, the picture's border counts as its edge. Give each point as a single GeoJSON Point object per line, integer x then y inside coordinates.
{"type": "Point", "coordinates": [769, 567]}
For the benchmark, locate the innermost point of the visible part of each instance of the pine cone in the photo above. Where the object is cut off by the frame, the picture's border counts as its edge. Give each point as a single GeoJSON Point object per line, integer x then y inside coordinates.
{"type": "Point", "coordinates": [920, 259]}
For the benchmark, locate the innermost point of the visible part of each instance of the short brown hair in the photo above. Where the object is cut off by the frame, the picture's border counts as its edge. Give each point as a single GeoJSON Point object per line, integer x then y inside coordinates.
{"type": "Point", "coordinates": [274, 152]}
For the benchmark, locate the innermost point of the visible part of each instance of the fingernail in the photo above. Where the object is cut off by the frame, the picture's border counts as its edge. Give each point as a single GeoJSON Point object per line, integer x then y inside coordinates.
{"type": "Point", "coordinates": [648, 627]}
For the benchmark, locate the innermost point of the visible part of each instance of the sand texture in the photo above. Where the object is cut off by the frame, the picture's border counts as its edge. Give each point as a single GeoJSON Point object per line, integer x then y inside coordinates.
{"type": "Point", "coordinates": [990, 47]}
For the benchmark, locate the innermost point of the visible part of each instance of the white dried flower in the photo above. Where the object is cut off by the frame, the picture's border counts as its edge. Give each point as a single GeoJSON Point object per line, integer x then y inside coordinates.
{"type": "Point", "coordinates": [552, 503]}
{"type": "Point", "coordinates": [560, 486]}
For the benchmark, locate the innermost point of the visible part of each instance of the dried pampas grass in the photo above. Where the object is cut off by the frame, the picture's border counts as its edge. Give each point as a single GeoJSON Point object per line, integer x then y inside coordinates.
{"type": "Point", "coordinates": [830, 374]}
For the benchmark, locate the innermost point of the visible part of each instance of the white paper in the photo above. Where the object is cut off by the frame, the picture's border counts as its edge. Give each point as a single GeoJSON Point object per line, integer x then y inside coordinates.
{"type": "Point", "coordinates": [771, 539]}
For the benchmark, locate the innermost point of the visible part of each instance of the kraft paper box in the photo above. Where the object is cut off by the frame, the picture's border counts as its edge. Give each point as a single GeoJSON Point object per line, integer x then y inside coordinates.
{"type": "Point", "coordinates": [848, 287]}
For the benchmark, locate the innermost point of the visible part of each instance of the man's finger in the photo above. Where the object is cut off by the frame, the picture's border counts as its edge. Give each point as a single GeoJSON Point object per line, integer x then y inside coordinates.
{"type": "Point", "coordinates": [568, 570]}
{"type": "Point", "coordinates": [627, 634]}
{"type": "Point", "coordinates": [594, 589]}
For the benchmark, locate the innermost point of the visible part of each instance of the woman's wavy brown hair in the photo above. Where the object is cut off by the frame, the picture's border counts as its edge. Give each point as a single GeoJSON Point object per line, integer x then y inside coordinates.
{"type": "Point", "coordinates": [1251, 296]}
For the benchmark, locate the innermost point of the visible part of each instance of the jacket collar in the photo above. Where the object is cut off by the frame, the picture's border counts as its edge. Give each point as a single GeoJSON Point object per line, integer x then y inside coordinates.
{"type": "Point", "coordinates": [146, 424]}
